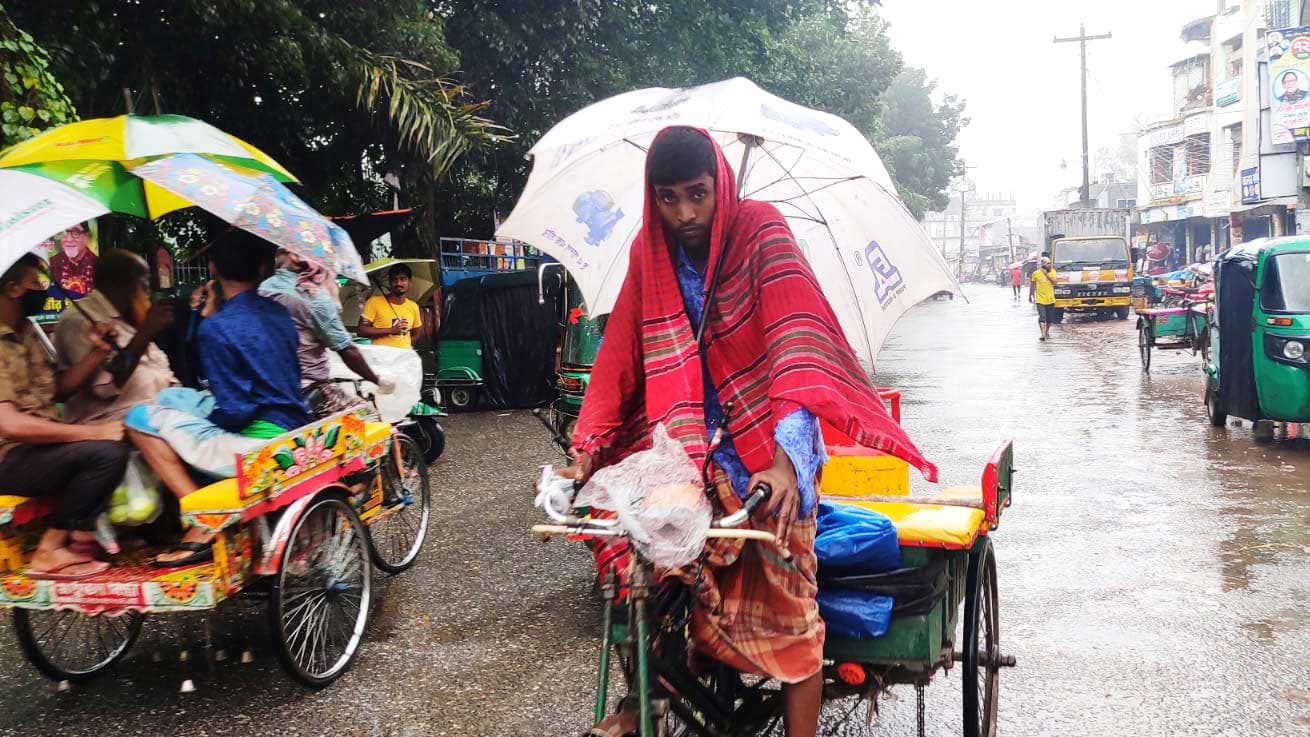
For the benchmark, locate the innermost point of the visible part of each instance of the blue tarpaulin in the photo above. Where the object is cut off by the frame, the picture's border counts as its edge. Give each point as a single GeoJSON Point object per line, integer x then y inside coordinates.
{"type": "Point", "coordinates": [854, 540]}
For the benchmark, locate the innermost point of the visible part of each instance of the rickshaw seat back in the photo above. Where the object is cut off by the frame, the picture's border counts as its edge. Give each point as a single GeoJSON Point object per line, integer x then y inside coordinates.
{"type": "Point", "coordinates": [853, 470]}
{"type": "Point", "coordinates": [19, 510]}
{"type": "Point", "coordinates": [310, 457]}
{"type": "Point", "coordinates": [955, 516]}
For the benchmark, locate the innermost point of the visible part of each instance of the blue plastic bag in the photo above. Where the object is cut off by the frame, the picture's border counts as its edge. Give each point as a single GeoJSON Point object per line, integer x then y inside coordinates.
{"type": "Point", "coordinates": [853, 539]}
{"type": "Point", "coordinates": [858, 615]}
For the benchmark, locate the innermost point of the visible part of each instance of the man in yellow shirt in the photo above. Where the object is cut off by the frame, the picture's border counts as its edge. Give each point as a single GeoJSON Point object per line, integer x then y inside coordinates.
{"type": "Point", "coordinates": [1042, 291]}
{"type": "Point", "coordinates": [392, 320]}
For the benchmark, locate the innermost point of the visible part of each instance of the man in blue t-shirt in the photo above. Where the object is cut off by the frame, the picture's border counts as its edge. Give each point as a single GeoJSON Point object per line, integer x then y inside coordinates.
{"type": "Point", "coordinates": [248, 355]}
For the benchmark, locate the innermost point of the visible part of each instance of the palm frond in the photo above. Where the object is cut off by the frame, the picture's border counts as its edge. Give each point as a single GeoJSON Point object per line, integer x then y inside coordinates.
{"type": "Point", "coordinates": [432, 116]}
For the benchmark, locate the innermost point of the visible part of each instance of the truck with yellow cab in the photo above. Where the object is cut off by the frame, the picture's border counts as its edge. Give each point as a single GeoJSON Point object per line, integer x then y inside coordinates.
{"type": "Point", "coordinates": [1091, 252]}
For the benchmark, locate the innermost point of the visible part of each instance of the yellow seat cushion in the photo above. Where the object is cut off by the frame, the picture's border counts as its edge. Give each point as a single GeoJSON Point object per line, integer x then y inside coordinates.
{"type": "Point", "coordinates": [926, 524]}
{"type": "Point", "coordinates": [376, 432]}
{"type": "Point", "coordinates": [220, 496]}
{"type": "Point", "coordinates": [12, 502]}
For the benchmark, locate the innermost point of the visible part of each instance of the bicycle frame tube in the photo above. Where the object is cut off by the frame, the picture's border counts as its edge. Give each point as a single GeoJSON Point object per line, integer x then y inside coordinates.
{"type": "Point", "coordinates": [608, 589]}
{"type": "Point", "coordinates": [640, 591]}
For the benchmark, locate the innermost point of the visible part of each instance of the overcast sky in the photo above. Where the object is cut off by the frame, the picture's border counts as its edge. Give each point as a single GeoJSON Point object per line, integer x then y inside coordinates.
{"type": "Point", "coordinates": [1023, 90]}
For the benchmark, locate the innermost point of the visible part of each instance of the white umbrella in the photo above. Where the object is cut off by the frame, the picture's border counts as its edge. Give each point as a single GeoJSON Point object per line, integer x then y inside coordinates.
{"type": "Point", "coordinates": [33, 208]}
{"type": "Point", "coordinates": [583, 201]}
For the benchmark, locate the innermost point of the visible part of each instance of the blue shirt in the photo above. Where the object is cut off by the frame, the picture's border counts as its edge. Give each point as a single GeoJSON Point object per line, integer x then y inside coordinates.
{"type": "Point", "coordinates": [248, 354]}
{"type": "Point", "coordinates": [797, 433]}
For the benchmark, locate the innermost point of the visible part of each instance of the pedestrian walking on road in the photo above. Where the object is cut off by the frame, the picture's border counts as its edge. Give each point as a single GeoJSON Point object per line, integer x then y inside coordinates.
{"type": "Point", "coordinates": [1016, 279]}
{"type": "Point", "coordinates": [1042, 291]}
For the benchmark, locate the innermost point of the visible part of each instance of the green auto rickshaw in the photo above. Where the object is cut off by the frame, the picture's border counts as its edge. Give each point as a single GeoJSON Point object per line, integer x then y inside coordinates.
{"type": "Point", "coordinates": [1259, 365]}
{"type": "Point", "coordinates": [459, 345]}
{"type": "Point", "coordinates": [579, 341]}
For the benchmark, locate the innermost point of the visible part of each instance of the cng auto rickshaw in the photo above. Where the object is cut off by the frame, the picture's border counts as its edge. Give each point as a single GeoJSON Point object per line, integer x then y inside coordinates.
{"type": "Point", "coordinates": [1259, 365]}
{"type": "Point", "coordinates": [577, 351]}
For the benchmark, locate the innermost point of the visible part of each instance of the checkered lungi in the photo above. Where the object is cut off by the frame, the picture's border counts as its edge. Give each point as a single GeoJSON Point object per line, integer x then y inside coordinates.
{"type": "Point", "coordinates": [755, 611]}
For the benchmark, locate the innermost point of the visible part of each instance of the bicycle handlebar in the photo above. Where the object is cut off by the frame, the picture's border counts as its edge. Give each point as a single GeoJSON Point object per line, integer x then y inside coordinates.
{"type": "Point", "coordinates": [758, 496]}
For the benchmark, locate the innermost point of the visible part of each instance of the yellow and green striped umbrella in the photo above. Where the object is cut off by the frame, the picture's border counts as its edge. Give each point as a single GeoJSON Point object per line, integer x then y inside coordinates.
{"type": "Point", "coordinates": [95, 157]}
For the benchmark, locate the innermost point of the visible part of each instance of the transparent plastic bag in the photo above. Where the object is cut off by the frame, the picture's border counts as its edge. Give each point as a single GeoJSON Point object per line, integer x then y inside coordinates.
{"type": "Point", "coordinates": [136, 500]}
{"type": "Point", "coordinates": [659, 499]}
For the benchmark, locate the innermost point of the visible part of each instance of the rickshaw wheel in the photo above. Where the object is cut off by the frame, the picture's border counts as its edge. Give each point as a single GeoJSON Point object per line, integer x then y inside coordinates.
{"type": "Point", "coordinates": [70, 646]}
{"type": "Point", "coordinates": [394, 542]}
{"type": "Point", "coordinates": [1144, 346]}
{"type": "Point", "coordinates": [462, 397]}
{"type": "Point", "coordinates": [982, 645]}
{"type": "Point", "coordinates": [320, 596]}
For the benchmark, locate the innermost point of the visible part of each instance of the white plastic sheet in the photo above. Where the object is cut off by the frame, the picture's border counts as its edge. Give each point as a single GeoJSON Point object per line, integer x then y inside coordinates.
{"type": "Point", "coordinates": [401, 366]}
{"type": "Point", "coordinates": [659, 499]}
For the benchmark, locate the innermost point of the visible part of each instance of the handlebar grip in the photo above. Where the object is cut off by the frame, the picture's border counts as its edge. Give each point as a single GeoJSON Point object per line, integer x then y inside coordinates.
{"type": "Point", "coordinates": [759, 495]}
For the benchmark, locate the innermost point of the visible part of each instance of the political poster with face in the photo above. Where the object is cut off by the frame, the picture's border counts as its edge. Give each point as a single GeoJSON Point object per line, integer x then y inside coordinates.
{"type": "Point", "coordinates": [1289, 80]}
{"type": "Point", "coordinates": [72, 257]}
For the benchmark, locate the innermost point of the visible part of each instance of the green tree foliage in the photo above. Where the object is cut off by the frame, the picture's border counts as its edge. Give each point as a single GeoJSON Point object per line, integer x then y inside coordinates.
{"type": "Point", "coordinates": [339, 92]}
{"type": "Point", "coordinates": [540, 62]}
{"type": "Point", "coordinates": [343, 93]}
{"type": "Point", "coordinates": [31, 99]}
{"type": "Point", "coordinates": [919, 146]}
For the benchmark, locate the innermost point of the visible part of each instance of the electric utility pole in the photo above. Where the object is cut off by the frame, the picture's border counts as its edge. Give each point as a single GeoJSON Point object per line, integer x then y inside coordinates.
{"type": "Point", "coordinates": [1082, 38]}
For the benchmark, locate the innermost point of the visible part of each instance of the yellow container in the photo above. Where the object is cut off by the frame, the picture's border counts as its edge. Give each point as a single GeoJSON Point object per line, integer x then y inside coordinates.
{"type": "Point", "coordinates": [865, 475]}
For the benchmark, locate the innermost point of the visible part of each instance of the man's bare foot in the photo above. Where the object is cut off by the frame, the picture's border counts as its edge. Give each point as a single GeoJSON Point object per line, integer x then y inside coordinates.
{"type": "Point", "coordinates": [63, 563]}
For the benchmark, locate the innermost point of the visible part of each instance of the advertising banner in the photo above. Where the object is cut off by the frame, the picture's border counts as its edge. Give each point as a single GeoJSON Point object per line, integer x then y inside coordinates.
{"type": "Point", "coordinates": [1289, 83]}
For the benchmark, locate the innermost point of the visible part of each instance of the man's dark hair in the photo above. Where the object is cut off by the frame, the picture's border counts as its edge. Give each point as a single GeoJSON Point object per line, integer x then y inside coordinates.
{"type": "Point", "coordinates": [240, 256]}
{"type": "Point", "coordinates": [15, 273]}
{"type": "Point", "coordinates": [1289, 74]}
{"type": "Point", "coordinates": [402, 270]}
{"type": "Point", "coordinates": [119, 267]}
{"type": "Point", "coordinates": [678, 155]}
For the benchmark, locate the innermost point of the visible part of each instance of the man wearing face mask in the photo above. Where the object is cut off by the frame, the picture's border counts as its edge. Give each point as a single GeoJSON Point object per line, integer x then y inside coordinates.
{"type": "Point", "coordinates": [140, 370]}
{"type": "Point", "coordinates": [77, 466]}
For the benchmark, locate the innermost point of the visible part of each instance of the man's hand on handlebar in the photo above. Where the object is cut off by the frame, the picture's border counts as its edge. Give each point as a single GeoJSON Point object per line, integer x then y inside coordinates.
{"type": "Point", "coordinates": [583, 466]}
{"type": "Point", "coordinates": [785, 500]}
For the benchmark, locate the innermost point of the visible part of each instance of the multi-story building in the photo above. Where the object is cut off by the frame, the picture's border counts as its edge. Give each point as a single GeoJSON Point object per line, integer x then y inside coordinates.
{"type": "Point", "coordinates": [984, 223]}
{"type": "Point", "coordinates": [1185, 172]}
{"type": "Point", "coordinates": [1211, 175]}
{"type": "Point", "coordinates": [1268, 175]}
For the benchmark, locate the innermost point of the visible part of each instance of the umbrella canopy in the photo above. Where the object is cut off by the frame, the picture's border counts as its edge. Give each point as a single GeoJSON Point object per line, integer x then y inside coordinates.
{"type": "Point", "coordinates": [583, 201]}
{"type": "Point", "coordinates": [258, 204]}
{"type": "Point", "coordinates": [95, 156]}
{"type": "Point", "coordinates": [132, 137]}
{"type": "Point", "coordinates": [33, 209]}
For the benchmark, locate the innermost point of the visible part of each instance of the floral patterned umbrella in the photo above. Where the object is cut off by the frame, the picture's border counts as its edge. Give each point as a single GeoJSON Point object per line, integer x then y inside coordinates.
{"type": "Point", "coordinates": [259, 204]}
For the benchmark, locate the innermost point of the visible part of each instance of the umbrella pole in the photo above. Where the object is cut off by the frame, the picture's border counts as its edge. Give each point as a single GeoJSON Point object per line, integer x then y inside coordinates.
{"type": "Point", "coordinates": [748, 142]}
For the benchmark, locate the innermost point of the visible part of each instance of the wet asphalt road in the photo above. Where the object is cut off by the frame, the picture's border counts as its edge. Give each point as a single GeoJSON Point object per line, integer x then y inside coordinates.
{"type": "Point", "coordinates": [1154, 572]}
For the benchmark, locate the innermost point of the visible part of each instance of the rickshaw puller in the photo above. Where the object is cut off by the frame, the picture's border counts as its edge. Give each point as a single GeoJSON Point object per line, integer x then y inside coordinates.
{"type": "Point", "coordinates": [772, 348]}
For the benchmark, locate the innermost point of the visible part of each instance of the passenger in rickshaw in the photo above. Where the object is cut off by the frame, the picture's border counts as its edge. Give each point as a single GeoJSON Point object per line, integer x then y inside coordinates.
{"type": "Point", "coordinates": [774, 355]}
{"type": "Point", "coordinates": [308, 292]}
{"type": "Point", "coordinates": [75, 465]}
{"type": "Point", "coordinates": [139, 370]}
{"type": "Point", "coordinates": [248, 355]}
